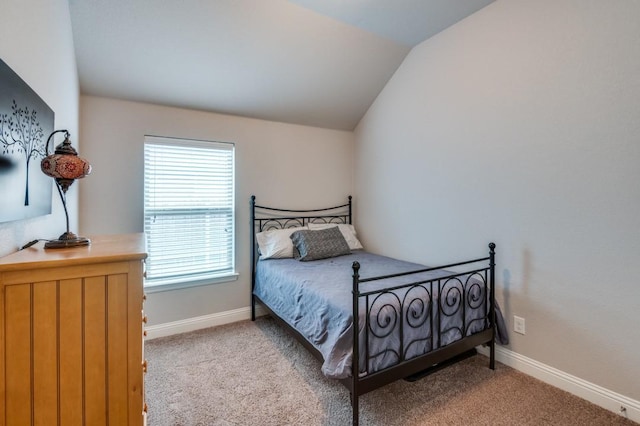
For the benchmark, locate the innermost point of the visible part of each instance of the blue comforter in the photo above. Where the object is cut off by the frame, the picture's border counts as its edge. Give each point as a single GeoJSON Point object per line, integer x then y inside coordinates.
{"type": "Point", "coordinates": [315, 298]}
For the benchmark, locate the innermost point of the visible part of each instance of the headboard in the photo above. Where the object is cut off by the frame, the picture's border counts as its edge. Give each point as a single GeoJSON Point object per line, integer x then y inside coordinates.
{"type": "Point", "coordinates": [265, 218]}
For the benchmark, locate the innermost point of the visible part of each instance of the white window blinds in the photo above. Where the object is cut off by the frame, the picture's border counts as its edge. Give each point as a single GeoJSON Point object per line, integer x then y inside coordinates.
{"type": "Point", "coordinates": [188, 210]}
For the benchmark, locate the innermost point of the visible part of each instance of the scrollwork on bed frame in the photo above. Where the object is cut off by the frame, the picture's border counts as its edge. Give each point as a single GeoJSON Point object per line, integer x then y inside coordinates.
{"type": "Point", "coordinates": [426, 307]}
{"type": "Point", "coordinates": [272, 218]}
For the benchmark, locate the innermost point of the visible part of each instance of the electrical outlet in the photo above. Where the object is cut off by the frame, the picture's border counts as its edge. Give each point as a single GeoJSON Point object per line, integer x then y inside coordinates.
{"type": "Point", "coordinates": [518, 324]}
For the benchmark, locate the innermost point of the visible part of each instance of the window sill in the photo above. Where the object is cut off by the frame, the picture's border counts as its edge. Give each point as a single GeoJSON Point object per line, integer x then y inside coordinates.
{"type": "Point", "coordinates": [178, 285]}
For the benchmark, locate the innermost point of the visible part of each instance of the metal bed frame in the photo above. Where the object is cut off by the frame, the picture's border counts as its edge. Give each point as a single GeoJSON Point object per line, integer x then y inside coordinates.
{"type": "Point", "coordinates": [483, 269]}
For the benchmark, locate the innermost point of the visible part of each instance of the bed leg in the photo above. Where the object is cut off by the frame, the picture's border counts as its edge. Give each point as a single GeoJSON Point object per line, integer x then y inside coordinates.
{"type": "Point", "coordinates": [492, 355]}
{"type": "Point", "coordinates": [253, 308]}
{"type": "Point", "coordinates": [354, 408]}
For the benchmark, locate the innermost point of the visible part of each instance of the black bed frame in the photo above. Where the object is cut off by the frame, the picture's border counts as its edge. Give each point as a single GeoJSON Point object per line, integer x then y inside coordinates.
{"type": "Point", "coordinates": [266, 218]}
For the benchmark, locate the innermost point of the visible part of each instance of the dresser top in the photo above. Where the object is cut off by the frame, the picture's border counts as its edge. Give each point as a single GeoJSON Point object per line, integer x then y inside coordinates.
{"type": "Point", "coordinates": [103, 248]}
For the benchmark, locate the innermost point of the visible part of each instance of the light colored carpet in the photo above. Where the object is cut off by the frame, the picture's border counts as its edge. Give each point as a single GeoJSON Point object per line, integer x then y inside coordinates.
{"type": "Point", "coordinates": [256, 374]}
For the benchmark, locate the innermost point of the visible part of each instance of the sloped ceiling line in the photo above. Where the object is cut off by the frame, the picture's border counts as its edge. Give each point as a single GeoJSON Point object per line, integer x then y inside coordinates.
{"type": "Point", "coordinates": [311, 62]}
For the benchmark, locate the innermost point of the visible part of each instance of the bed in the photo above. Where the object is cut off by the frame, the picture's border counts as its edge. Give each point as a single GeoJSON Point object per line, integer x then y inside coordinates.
{"type": "Point", "coordinates": [411, 319]}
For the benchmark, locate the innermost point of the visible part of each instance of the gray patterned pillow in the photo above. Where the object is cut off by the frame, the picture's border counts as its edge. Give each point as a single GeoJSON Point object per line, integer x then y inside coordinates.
{"type": "Point", "coordinates": [321, 244]}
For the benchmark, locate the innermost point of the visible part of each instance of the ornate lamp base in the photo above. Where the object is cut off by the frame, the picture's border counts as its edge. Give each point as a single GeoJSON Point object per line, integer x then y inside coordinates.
{"type": "Point", "coordinates": [68, 239]}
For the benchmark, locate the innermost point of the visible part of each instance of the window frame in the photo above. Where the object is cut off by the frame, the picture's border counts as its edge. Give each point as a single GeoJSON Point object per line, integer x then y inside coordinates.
{"type": "Point", "coordinates": [191, 280]}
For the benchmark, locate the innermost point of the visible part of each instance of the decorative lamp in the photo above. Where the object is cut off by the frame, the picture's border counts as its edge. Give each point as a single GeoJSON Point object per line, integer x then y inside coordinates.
{"type": "Point", "coordinates": [65, 166]}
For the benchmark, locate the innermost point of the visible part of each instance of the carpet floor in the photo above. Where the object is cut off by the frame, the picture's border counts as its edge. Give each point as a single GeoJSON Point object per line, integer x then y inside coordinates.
{"type": "Point", "coordinates": [254, 373]}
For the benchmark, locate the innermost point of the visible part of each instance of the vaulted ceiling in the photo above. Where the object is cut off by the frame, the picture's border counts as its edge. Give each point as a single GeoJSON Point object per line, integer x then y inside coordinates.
{"type": "Point", "coordinates": [312, 62]}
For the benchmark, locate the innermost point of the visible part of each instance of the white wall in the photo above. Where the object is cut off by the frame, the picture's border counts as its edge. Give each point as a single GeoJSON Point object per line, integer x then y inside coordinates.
{"type": "Point", "coordinates": [282, 164]}
{"type": "Point", "coordinates": [521, 125]}
{"type": "Point", "coordinates": [36, 42]}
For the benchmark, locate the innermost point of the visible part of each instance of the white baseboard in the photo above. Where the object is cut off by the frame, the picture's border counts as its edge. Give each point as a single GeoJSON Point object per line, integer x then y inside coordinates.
{"type": "Point", "coordinates": [605, 398]}
{"type": "Point", "coordinates": [197, 323]}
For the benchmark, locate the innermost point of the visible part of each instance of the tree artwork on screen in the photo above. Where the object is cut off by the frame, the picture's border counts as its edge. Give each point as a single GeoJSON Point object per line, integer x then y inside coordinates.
{"type": "Point", "coordinates": [21, 133]}
{"type": "Point", "coordinates": [25, 122]}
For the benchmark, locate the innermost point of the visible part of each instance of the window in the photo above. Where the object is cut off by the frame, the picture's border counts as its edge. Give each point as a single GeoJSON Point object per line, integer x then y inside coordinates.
{"type": "Point", "coordinates": [188, 212]}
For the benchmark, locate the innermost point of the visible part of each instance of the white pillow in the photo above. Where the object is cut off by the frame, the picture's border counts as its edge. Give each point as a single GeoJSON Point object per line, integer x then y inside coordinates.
{"type": "Point", "coordinates": [276, 243]}
{"type": "Point", "coordinates": [348, 232]}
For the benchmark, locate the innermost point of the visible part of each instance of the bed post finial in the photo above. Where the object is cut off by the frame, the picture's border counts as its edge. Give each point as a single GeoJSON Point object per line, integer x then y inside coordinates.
{"type": "Point", "coordinates": [492, 247]}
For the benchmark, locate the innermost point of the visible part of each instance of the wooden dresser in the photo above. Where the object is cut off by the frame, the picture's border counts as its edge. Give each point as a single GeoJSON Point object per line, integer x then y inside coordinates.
{"type": "Point", "coordinates": [71, 334]}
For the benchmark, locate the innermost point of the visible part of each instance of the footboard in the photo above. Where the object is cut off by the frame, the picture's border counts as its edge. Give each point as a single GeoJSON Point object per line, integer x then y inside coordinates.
{"type": "Point", "coordinates": [436, 315]}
